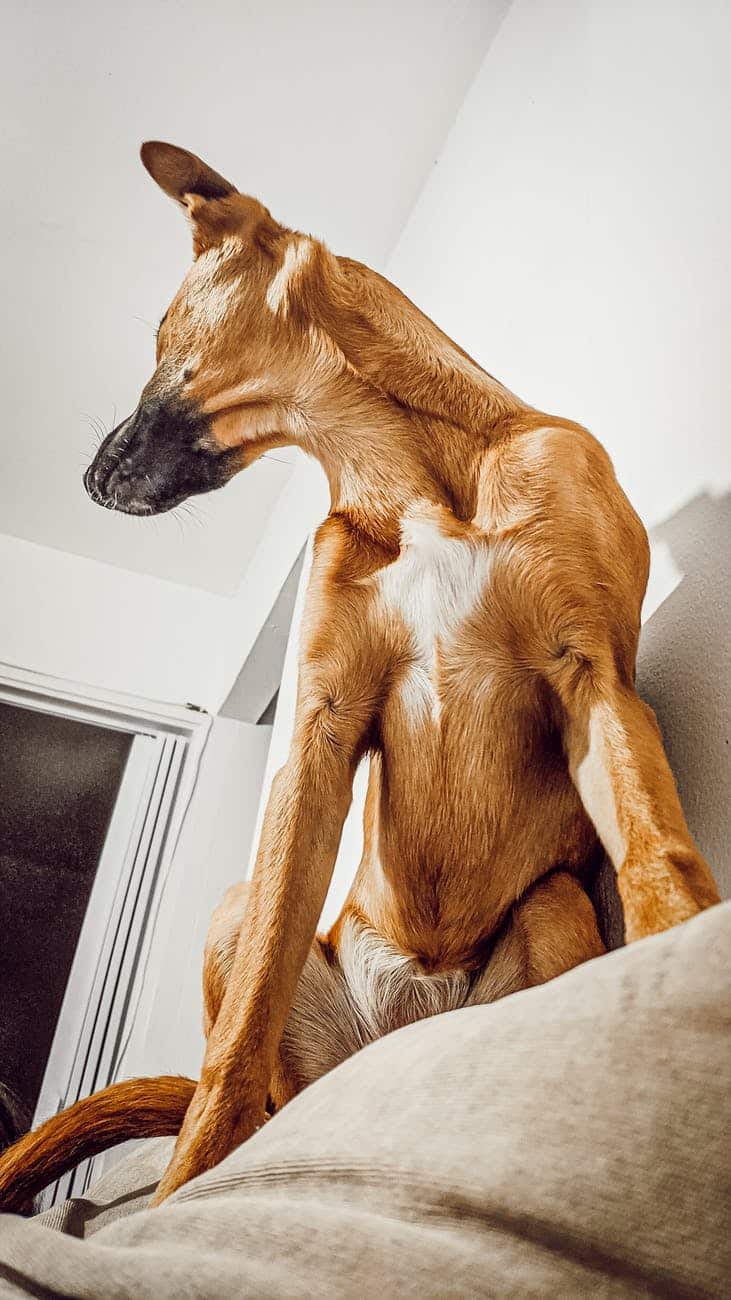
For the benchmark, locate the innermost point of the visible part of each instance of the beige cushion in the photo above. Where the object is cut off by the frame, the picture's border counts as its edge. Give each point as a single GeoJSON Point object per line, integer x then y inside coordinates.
{"type": "Point", "coordinates": [571, 1140]}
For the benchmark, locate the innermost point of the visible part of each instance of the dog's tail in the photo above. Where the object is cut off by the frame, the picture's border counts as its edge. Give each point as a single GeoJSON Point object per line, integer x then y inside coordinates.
{"type": "Point", "coordinates": [136, 1108]}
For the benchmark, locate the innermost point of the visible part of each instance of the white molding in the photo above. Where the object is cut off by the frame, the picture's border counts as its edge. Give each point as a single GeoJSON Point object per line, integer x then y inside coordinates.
{"type": "Point", "coordinates": [105, 984]}
{"type": "Point", "coordinates": [117, 709]}
{"type": "Point", "coordinates": [78, 1007]}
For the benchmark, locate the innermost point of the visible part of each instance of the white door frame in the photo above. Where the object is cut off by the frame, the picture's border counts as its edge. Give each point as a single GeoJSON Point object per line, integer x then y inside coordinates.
{"type": "Point", "coordinates": [107, 974]}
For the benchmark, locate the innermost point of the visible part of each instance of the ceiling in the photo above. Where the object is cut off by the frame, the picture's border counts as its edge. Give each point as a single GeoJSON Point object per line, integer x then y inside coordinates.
{"type": "Point", "coordinates": [331, 112]}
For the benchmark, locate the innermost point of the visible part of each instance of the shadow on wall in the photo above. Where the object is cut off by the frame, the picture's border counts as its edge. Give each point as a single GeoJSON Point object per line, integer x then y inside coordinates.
{"type": "Point", "coordinates": [684, 669]}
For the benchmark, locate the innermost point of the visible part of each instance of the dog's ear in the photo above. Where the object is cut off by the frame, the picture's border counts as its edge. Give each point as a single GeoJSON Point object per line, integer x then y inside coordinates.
{"type": "Point", "coordinates": [213, 204]}
{"type": "Point", "coordinates": [181, 174]}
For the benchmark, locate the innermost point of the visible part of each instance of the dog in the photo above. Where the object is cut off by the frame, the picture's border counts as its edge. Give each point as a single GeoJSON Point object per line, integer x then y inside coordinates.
{"type": "Point", "coordinates": [471, 626]}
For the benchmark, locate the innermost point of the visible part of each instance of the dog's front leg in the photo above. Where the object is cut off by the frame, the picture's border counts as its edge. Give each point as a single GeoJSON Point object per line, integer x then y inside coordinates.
{"type": "Point", "coordinates": [620, 770]}
{"type": "Point", "coordinates": [308, 804]}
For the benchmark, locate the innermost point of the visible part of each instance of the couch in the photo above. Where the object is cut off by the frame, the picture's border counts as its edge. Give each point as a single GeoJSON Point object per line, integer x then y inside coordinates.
{"type": "Point", "coordinates": [571, 1140]}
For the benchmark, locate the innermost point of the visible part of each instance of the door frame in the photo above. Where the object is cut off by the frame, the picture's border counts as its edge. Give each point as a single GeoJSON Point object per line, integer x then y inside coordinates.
{"type": "Point", "coordinates": [106, 980]}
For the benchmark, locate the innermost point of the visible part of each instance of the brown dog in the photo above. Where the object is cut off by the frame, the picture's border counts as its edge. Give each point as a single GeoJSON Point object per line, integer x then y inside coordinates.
{"type": "Point", "coordinates": [471, 625]}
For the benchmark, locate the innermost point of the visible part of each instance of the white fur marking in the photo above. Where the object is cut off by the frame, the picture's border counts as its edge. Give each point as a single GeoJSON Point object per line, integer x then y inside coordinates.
{"type": "Point", "coordinates": [388, 988]}
{"type": "Point", "coordinates": [296, 256]}
{"type": "Point", "coordinates": [213, 307]}
{"type": "Point", "coordinates": [434, 585]}
{"type": "Point", "coordinates": [208, 295]}
{"type": "Point", "coordinates": [594, 785]}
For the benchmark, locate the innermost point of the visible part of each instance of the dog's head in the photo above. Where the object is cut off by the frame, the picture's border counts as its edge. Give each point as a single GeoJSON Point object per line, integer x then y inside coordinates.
{"type": "Point", "coordinates": [234, 367]}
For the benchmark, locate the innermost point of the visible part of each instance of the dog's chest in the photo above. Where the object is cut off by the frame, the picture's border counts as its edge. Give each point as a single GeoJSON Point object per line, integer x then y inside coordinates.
{"type": "Point", "coordinates": [437, 582]}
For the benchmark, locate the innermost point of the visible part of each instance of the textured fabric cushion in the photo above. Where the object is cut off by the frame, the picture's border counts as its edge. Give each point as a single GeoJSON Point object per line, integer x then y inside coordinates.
{"type": "Point", "coordinates": [569, 1140]}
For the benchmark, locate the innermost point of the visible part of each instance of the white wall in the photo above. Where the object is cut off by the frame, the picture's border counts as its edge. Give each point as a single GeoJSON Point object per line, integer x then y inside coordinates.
{"type": "Point", "coordinates": [305, 105]}
{"type": "Point", "coordinates": [574, 232]}
{"type": "Point", "coordinates": [95, 624]}
{"type": "Point", "coordinates": [100, 625]}
{"type": "Point", "coordinates": [574, 237]}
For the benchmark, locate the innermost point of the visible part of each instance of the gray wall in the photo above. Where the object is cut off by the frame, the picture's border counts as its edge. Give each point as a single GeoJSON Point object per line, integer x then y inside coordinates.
{"type": "Point", "coordinates": [684, 671]}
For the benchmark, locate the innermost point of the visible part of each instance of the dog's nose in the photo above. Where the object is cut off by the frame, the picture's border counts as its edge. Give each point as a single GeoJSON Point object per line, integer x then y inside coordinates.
{"type": "Point", "coordinates": [90, 482]}
{"type": "Point", "coordinates": [94, 483]}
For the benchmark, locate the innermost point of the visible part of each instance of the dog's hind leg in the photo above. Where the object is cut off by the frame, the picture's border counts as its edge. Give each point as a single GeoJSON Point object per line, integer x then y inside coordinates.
{"type": "Point", "coordinates": [220, 949]}
{"type": "Point", "coordinates": [551, 929]}
{"type": "Point", "coordinates": [323, 1027]}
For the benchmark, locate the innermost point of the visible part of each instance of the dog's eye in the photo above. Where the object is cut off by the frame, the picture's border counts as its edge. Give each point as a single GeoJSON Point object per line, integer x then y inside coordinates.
{"type": "Point", "coordinates": [187, 374]}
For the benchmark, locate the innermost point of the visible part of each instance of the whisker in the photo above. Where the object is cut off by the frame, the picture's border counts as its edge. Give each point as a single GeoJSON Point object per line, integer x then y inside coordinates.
{"type": "Point", "coordinates": [93, 420]}
{"type": "Point", "coordinates": [176, 517]}
{"type": "Point", "coordinates": [150, 324]}
{"type": "Point", "coordinates": [190, 511]}
{"type": "Point", "coordinates": [100, 430]}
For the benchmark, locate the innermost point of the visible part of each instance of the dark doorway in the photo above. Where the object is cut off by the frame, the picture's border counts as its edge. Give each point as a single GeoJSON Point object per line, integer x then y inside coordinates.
{"type": "Point", "coordinates": [59, 780]}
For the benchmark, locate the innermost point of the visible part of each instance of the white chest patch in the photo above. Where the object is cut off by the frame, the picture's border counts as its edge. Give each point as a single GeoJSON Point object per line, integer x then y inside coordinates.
{"type": "Point", "coordinates": [434, 585]}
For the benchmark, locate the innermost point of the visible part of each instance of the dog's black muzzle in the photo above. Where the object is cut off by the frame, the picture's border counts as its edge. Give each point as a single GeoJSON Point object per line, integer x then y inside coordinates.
{"type": "Point", "coordinates": [155, 459]}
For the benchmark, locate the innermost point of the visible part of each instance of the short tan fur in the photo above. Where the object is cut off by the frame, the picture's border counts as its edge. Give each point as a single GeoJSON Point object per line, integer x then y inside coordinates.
{"type": "Point", "coordinates": [471, 624]}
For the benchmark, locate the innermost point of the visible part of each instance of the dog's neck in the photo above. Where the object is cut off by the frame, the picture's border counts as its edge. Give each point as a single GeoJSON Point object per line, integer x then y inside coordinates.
{"type": "Point", "coordinates": [379, 458]}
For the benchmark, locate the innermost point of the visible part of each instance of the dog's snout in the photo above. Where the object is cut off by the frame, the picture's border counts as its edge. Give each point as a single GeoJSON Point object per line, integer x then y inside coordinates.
{"type": "Point", "coordinates": [155, 459]}
{"type": "Point", "coordinates": [109, 470]}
